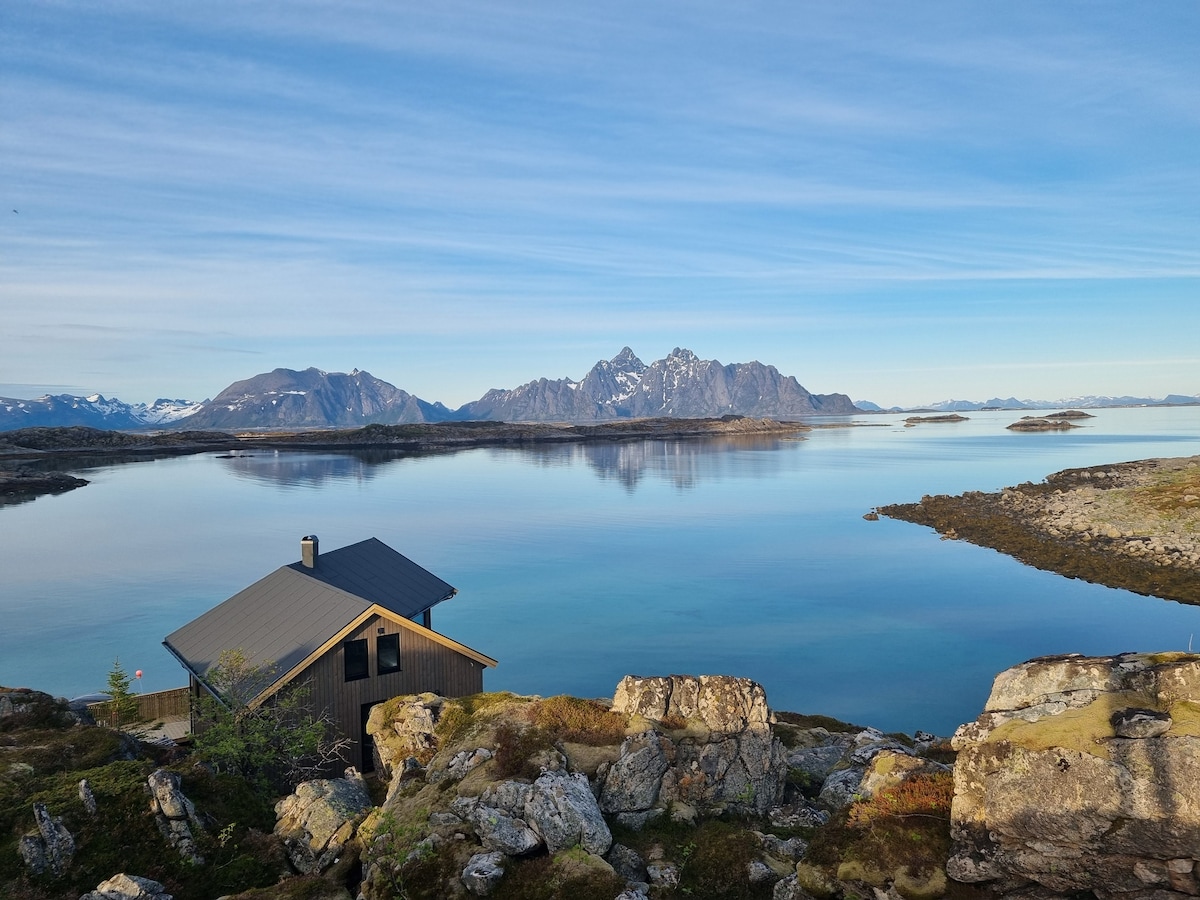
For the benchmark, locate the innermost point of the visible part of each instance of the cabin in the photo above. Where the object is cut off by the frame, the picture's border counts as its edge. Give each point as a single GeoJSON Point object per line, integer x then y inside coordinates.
{"type": "Point", "coordinates": [353, 625]}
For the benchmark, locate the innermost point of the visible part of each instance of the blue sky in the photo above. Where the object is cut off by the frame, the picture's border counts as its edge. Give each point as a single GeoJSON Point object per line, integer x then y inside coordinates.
{"type": "Point", "coordinates": [902, 202]}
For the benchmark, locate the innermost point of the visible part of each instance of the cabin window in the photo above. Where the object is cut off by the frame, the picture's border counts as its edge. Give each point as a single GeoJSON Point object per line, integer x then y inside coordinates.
{"type": "Point", "coordinates": [387, 653]}
{"type": "Point", "coordinates": [355, 655]}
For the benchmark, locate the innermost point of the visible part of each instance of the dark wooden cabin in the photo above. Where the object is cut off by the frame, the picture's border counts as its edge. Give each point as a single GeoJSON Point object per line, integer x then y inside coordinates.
{"type": "Point", "coordinates": [353, 625]}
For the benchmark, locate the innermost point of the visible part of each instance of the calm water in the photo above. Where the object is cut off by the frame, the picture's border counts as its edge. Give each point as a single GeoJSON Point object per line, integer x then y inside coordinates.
{"type": "Point", "coordinates": [579, 564]}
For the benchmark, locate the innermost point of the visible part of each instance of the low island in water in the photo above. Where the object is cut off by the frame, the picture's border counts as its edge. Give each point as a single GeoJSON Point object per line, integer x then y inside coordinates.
{"type": "Point", "coordinates": [1131, 525]}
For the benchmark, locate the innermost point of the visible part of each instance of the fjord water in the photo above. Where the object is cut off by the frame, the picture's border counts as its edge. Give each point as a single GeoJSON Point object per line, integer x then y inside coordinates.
{"type": "Point", "coordinates": [578, 564]}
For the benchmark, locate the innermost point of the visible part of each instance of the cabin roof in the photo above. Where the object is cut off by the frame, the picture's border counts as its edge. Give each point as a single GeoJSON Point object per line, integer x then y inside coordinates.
{"type": "Point", "coordinates": [287, 616]}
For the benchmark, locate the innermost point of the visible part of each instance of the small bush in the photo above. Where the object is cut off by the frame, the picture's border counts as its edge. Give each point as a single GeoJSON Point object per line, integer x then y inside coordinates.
{"type": "Point", "coordinates": [919, 795]}
{"type": "Point", "coordinates": [515, 751]}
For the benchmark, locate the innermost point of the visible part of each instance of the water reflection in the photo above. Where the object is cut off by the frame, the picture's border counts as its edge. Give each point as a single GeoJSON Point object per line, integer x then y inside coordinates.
{"type": "Point", "coordinates": [683, 462]}
{"type": "Point", "coordinates": [299, 468]}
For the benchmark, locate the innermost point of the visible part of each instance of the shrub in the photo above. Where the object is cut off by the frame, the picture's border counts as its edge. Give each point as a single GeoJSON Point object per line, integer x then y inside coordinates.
{"type": "Point", "coordinates": [516, 748]}
{"type": "Point", "coordinates": [919, 795]}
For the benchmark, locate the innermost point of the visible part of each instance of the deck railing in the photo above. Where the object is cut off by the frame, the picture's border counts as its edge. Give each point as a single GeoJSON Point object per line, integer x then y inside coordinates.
{"type": "Point", "coordinates": [172, 704]}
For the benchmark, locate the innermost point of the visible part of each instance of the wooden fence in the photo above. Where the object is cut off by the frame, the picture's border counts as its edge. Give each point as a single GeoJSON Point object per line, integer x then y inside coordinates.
{"type": "Point", "coordinates": [172, 704]}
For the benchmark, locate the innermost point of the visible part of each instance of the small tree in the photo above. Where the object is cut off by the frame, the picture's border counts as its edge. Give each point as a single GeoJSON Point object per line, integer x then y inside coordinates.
{"type": "Point", "coordinates": [274, 745]}
{"type": "Point", "coordinates": [122, 710]}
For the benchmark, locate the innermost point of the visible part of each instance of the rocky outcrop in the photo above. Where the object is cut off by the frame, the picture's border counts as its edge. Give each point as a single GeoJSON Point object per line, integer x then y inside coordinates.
{"type": "Point", "coordinates": [318, 820]}
{"type": "Point", "coordinates": [21, 705]}
{"type": "Point", "coordinates": [721, 702]}
{"type": "Point", "coordinates": [51, 848]}
{"type": "Point", "coordinates": [556, 812]}
{"type": "Point", "coordinates": [402, 729]}
{"type": "Point", "coordinates": [174, 814]}
{"type": "Point", "coordinates": [1069, 780]}
{"type": "Point", "coordinates": [128, 887]}
{"type": "Point", "coordinates": [725, 757]}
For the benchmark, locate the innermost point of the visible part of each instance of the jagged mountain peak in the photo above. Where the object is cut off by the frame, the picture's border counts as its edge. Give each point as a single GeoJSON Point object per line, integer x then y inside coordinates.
{"type": "Point", "coordinates": [627, 359]}
{"type": "Point", "coordinates": [681, 384]}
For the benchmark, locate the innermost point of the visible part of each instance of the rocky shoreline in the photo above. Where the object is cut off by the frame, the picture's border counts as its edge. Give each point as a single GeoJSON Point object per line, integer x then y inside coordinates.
{"type": "Point", "coordinates": [1131, 525]}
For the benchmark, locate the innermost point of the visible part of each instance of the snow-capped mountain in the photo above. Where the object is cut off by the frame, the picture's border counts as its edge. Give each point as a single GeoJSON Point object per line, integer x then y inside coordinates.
{"type": "Point", "coordinates": [95, 411]}
{"type": "Point", "coordinates": [680, 385]}
{"type": "Point", "coordinates": [285, 398]}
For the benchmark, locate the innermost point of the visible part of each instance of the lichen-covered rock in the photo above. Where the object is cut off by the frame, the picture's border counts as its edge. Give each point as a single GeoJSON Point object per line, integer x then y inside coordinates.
{"type": "Point", "coordinates": [840, 789]}
{"type": "Point", "coordinates": [483, 873]}
{"type": "Point", "coordinates": [723, 703]}
{"type": "Point", "coordinates": [890, 768]}
{"type": "Point", "coordinates": [729, 761]}
{"type": "Point", "coordinates": [51, 849]}
{"type": "Point", "coordinates": [1048, 792]}
{"type": "Point", "coordinates": [562, 809]}
{"type": "Point", "coordinates": [627, 863]}
{"type": "Point", "coordinates": [319, 819]}
{"type": "Point", "coordinates": [402, 728]}
{"type": "Point", "coordinates": [128, 887]}
{"type": "Point", "coordinates": [174, 814]}
{"type": "Point", "coordinates": [631, 784]}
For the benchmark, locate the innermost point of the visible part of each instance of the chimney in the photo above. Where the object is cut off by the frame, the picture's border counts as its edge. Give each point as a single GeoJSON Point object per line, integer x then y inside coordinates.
{"type": "Point", "coordinates": [308, 551]}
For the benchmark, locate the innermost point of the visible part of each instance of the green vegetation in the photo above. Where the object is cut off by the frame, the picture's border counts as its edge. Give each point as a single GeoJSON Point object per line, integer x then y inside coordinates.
{"type": "Point", "coordinates": [901, 829]}
{"type": "Point", "coordinates": [46, 755]}
{"type": "Point", "coordinates": [275, 745]}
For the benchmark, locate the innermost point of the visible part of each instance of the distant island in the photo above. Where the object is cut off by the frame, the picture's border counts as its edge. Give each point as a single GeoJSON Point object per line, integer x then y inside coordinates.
{"type": "Point", "coordinates": [24, 450]}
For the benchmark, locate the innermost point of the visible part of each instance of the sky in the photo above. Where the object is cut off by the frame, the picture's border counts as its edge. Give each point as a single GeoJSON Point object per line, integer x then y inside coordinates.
{"type": "Point", "coordinates": [902, 202]}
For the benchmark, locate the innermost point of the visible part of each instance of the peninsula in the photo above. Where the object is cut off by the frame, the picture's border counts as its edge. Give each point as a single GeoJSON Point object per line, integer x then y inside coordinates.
{"type": "Point", "coordinates": [1131, 525]}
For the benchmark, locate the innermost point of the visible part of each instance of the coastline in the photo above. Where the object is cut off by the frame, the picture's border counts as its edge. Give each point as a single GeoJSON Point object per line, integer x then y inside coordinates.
{"type": "Point", "coordinates": [26, 453]}
{"type": "Point", "coordinates": [1132, 525]}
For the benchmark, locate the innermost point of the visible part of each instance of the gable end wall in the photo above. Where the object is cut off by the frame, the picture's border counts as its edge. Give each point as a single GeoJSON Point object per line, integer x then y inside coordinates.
{"type": "Point", "coordinates": [425, 665]}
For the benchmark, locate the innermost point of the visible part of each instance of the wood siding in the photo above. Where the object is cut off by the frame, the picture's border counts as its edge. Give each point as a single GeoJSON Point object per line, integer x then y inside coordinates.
{"type": "Point", "coordinates": [425, 665]}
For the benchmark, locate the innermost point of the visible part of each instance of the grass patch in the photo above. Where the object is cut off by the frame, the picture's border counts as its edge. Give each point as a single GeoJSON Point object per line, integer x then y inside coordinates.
{"type": "Point", "coordinates": [565, 874]}
{"type": "Point", "coordinates": [827, 722]}
{"type": "Point", "coordinates": [579, 721]}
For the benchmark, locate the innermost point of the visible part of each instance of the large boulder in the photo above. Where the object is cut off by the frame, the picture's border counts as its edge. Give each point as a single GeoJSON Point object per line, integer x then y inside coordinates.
{"type": "Point", "coordinates": [1069, 781]}
{"type": "Point", "coordinates": [320, 818]}
{"type": "Point", "coordinates": [562, 809]}
{"type": "Point", "coordinates": [127, 887]}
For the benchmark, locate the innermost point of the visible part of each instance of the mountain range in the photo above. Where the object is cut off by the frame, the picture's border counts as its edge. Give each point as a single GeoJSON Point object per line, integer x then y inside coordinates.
{"type": "Point", "coordinates": [679, 385]}
{"type": "Point", "coordinates": [1088, 402]}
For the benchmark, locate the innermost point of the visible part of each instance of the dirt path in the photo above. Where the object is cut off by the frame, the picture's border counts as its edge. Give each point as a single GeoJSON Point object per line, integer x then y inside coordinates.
{"type": "Point", "coordinates": [1132, 525]}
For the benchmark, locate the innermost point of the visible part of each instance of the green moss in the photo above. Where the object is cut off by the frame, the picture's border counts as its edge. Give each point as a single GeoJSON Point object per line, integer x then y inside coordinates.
{"type": "Point", "coordinates": [1185, 718]}
{"type": "Point", "coordinates": [1086, 729]}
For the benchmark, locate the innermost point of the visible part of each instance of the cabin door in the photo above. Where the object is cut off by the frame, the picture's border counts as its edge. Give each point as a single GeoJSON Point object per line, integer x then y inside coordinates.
{"type": "Point", "coordinates": [367, 764]}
